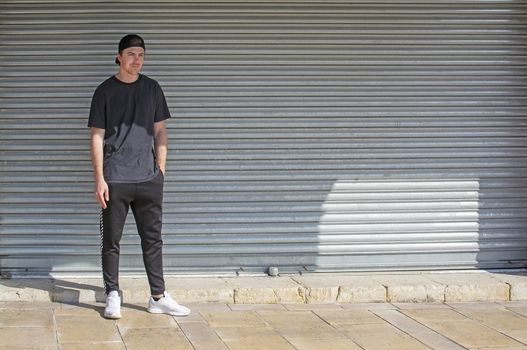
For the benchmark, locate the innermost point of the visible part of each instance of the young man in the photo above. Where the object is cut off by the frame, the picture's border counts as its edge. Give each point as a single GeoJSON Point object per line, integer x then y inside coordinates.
{"type": "Point", "coordinates": [128, 151]}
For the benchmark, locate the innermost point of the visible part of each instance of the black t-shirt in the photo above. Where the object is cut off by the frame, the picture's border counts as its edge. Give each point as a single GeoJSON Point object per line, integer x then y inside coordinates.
{"type": "Point", "coordinates": [127, 112]}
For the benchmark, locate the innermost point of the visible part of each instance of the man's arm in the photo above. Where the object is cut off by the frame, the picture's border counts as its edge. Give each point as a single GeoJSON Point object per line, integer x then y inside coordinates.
{"type": "Point", "coordinates": [102, 193]}
{"type": "Point", "coordinates": [161, 144]}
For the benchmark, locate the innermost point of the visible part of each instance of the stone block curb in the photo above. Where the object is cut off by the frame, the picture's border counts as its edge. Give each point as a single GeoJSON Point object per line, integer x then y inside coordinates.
{"type": "Point", "coordinates": [266, 290]}
{"type": "Point", "coordinates": [471, 287]}
{"type": "Point", "coordinates": [411, 288]}
{"type": "Point", "coordinates": [307, 289]}
{"type": "Point", "coordinates": [341, 289]}
{"type": "Point", "coordinates": [517, 283]}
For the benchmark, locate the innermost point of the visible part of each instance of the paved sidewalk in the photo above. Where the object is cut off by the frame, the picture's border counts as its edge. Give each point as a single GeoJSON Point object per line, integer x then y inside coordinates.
{"type": "Point", "coordinates": [375, 326]}
{"type": "Point", "coordinates": [428, 310]}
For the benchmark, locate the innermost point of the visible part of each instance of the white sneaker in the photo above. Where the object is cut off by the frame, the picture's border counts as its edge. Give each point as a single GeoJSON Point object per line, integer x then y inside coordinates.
{"type": "Point", "coordinates": [167, 305]}
{"type": "Point", "coordinates": [113, 305]}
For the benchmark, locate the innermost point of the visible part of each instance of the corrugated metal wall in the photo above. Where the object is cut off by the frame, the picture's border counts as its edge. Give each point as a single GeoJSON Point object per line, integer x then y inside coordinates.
{"type": "Point", "coordinates": [308, 135]}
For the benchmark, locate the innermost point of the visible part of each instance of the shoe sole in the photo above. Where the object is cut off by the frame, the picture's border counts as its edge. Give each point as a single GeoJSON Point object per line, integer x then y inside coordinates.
{"type": "Point", "coordinates": [167, 313]}
{"type": "Point", "coordinates": [112, 317]}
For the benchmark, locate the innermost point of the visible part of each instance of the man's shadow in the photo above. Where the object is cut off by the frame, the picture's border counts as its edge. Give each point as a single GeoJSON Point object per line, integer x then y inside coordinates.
{"type": "Point", "coordinates": [63, 292]}
{"type": "Point", "coordinates": [71, 295]}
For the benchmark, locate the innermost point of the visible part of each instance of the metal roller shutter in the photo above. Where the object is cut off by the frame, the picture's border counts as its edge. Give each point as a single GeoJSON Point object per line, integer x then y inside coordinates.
{"type": "Point", "coordinates": [309, 135]}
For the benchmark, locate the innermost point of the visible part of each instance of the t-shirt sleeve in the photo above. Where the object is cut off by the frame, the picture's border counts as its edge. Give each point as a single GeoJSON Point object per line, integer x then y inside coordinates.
{"type": "Point", "coordinates": [162, 112]}
{"type": "Point", "coordinates": [97, 117]}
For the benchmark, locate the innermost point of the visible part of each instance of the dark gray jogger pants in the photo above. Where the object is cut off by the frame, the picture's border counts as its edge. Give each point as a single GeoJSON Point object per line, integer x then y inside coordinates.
{"type": "Point", "coordinates": [146, 201]}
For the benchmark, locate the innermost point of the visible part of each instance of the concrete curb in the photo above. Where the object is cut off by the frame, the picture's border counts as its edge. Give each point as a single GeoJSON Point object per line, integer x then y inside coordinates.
{"type": "Point", "coordinates": [307, 289]}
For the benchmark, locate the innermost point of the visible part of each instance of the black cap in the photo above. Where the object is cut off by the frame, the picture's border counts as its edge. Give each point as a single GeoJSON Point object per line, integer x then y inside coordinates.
{"type": "Point", "coordinates": [130, 40]}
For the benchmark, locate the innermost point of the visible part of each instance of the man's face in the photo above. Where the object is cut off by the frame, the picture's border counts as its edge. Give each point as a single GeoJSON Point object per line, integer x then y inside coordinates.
{"type": "Point", "coordinates": [132, 59]}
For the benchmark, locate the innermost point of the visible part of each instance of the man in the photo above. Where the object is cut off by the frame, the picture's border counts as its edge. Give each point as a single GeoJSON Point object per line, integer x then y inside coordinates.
{"type": "Point", "coordinates": [128, 151]}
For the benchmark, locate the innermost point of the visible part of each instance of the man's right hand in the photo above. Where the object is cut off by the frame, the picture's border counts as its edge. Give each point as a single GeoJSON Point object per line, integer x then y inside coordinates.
{"type": "Point", "coordinates": [102, 193]}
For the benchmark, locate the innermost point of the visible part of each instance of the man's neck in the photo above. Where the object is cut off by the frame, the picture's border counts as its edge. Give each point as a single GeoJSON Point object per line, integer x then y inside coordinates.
{"type": "Point", "coordinates": [126, 78]}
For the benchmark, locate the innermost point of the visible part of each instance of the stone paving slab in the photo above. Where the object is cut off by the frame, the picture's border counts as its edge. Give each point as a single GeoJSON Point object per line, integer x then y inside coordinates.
{"type": "Point", "coordinates": [422, 333]}
{"type": "Point", "coordinates": [222, 326]}
{"type": "Point", "coordinates": [202, 336]}
{"type": "Point", "coordinates": [306, 289]}
{"type": "Point", "coordinates": [28, 338]}
{"type": "Point", "coordinates": [382, 336]}
{"type": "Point", "coordinates": [466, 325]}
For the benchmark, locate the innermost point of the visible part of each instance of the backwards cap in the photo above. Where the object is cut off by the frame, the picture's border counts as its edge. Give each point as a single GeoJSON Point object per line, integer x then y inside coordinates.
{"type": "Point", "coordinates": [130, 40]}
